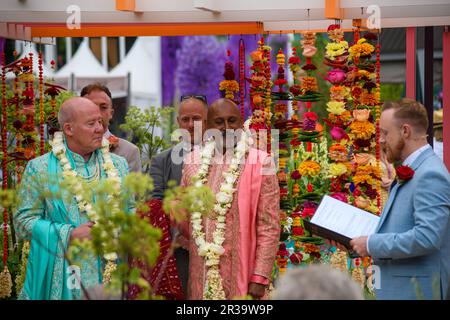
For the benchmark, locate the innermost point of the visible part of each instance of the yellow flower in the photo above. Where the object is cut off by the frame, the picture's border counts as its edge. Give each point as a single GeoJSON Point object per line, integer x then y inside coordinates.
{"type": "Point", "coordinates": [337, 169]}
{"type": "Point", "coordinates": [309, 168]}
{"type": "Point", "coordinates": [361, 48]}
{"type": "Point", "coordinates": [362, 178]}
{"type": "Point", "coordinates": [336, 107]}
{"type": "Point", "coordinates": [336, 49]}
{"type": "Point", "coordinates": [362, 129]}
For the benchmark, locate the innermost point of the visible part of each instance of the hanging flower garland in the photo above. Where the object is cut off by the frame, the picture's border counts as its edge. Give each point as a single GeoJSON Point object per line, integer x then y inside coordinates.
{"type": "Point", "coordinates": [260, 101]}
{"type": "Point", "coordinates": [354, 170]}
{"type": "Point", "coordinates": [212, 251]}
{"type": "Point", "coordinates": [229, 85]}
{"type": "Point", "coordinates": [305, 168]}
{"type": "Point", "coordinates": [5, 276]}
{"type": "Point", "coordinates": [59, 149]}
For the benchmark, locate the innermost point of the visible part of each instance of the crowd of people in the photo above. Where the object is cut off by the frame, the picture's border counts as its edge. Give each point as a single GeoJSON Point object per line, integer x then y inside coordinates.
{"type": "Point", "coordinates": [231, 251]}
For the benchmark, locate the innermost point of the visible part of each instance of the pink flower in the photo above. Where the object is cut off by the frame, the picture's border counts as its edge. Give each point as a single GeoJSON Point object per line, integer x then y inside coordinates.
{"type": "Point", "coordinates": [340, 196]}
{"type": "Point", "coordinates": [336, 76]}
{"type": "Point", "coordinates": [338, 134]}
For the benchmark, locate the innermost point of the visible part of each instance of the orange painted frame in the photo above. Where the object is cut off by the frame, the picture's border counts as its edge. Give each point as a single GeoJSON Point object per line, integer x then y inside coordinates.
{"type": "Point", "coordinates": [125, 5]}
{"type": "Point", "coordinates": [144, 29]}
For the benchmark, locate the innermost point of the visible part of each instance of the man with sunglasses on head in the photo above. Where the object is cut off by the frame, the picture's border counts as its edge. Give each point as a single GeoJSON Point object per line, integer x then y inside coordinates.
{"type": "Point", "coordinates": [167, 166]}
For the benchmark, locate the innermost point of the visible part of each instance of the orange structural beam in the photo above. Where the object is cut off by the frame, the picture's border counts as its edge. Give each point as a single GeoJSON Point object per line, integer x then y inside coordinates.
{"type": "Point", "coordinates": [146, 29]}
{"type": "Point", "coordinates": [125, 5]}
{"type": "Point", "coordinates": [333, 10]}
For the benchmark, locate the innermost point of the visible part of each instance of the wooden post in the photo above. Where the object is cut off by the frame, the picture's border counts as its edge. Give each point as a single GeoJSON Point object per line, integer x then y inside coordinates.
{"type": "Point", "coordinates": [428, 80]}
{"type": "Point", "coordinates": [411, 63]}
{"type": "Point", "coordinates": [446, 94]}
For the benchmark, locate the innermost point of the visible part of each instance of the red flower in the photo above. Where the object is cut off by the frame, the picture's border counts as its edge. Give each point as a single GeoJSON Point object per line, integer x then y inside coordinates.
{"type": "Point", "coordinates": [308, 212]}
{"type": "Point", "coordinates": [404, 173]}
{"type": "Point", "coordinates": [295, 142]}
{"type": "Point", "coordinates": [298, 231]}
{"type": "Point", "coordinates": [309, 187]}
{"type": "Point", "coordinates": [294, 60]}
{"type": "Point", "coordinates": [332, 27]}
{"type": "Point", "coordinates": [282, 250]}
{"type": "Point", "coordinates": [310, 115]}
{"type": "Point", "coordinates": [296, 175]}
{"type": "Point", "coordinates": [296, 258]}
{"type": "Point", "coordinates": [356, 92]}
{"type": "Point", "coordinates": [308, 67]}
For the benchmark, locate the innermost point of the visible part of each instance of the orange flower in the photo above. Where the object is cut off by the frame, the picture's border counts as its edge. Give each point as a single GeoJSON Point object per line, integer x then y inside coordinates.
{"type": "Point", "coordinates": [362, 178]}
{"type": "Point", "coordinates": [257, 99]}
{"type": "Point", "coordinates": [282, 176]}
{"type": "Point", "coordinates": [310, 248]}
{"type": "Point", "coordinates": [338, 152]}
{"type": "Point", "coordinates": [309, 84]}
{"type": "Point", "coordinates": [309, 168]}
{"type": "Point", "coordinates": [369, 99]}
{"type": "Point", "coordinates": [296, 190]}
{"type": "Point", "coordinates": [362, 129]}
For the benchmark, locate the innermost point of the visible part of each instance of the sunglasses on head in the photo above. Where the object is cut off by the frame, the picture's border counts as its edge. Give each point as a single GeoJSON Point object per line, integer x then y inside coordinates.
{"type": "Point", "coordinates": [194, 96]}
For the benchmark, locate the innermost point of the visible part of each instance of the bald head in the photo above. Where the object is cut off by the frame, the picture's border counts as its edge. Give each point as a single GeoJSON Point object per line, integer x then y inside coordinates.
{"type": "Point", "coordinates": [81, 121]}
{"type": "Point", "coordinates": [71, 107]}
{"type": "Point", "coordinates": [224, 114]}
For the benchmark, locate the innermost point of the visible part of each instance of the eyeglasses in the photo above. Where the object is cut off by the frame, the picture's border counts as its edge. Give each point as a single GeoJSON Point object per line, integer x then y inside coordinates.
{"type": "Point", "coordinates": [194, 96]}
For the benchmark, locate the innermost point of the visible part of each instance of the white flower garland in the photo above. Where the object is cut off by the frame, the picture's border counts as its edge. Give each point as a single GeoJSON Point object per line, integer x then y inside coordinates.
{"type": "Point", "coordinates": [59, 149]}
{"type": "Point", "coordinates": [211, 251]}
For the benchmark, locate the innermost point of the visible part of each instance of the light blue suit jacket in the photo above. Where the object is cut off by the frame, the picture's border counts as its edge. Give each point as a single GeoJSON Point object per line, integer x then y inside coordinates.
{"type": "Point", "coordinates": [413, 237]}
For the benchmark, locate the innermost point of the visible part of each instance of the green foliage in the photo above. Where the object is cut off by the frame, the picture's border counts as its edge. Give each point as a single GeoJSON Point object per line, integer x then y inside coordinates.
{"type": "Point", "coordinates": [182, 200]}
{"type": "Point", "coordinates": [391, 91]}
{"type": "Point", "coordinates": [141, 124]}
{"type": "Point", "coordinates": [121, 231]}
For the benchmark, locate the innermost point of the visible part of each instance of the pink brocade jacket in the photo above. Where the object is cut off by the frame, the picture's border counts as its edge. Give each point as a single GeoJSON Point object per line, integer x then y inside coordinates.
{"type": "Point", "coordinates": [252, 225]}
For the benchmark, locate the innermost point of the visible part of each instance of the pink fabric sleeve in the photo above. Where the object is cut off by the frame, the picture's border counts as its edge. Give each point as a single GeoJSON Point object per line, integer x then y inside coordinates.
{"type": "Point", "coordinates": [267, 222]}
{"type": "Point", "coordinates": [259, 279]}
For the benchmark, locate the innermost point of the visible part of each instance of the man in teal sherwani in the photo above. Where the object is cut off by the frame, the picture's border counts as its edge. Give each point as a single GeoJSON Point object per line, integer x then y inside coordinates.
{"type": "Point", "coordinates": [50, 223]}
{"type": "Point", "coordinates": [411, 245]}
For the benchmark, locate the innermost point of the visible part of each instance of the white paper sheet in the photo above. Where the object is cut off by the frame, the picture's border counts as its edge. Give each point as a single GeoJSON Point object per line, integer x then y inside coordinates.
{"type": "Point", "coordinates": [344, 219]}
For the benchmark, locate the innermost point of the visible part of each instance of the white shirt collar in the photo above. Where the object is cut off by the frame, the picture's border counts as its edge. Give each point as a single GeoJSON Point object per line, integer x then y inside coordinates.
{"type": "Point", "coordinates": [413, 156]}
{"type": "Point", "coordinates": [107, 134]}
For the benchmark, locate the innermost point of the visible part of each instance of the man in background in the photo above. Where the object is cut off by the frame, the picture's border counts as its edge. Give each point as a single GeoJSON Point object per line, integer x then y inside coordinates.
{"type": "Point", "coordinates": [101, 96]}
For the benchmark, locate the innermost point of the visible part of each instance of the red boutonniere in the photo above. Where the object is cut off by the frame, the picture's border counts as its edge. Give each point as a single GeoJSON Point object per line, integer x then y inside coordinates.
{"type": "Point", "coordinates": [113, 142]}
{"type": "Point", "coordinates": [404, 173]}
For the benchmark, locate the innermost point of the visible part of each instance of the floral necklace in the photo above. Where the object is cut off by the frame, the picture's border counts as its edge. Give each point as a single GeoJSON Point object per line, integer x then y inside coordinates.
{"type": "Point", "coordinates": [60, 151]}
{"type": "Point", "coordinates": [211, 251]}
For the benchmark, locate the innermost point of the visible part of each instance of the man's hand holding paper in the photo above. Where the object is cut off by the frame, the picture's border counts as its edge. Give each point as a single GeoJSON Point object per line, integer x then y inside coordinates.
{"type": "Point", "coordinates": [346, 226]}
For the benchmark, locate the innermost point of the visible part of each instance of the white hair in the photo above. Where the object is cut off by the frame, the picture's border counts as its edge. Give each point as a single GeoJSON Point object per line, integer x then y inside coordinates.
{"type": "Point", "coordinates": [317, 282]}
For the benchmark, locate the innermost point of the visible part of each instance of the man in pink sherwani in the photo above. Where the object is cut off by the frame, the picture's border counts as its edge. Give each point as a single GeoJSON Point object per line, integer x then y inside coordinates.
{"type": "Point", "coordinates": [252, 222]}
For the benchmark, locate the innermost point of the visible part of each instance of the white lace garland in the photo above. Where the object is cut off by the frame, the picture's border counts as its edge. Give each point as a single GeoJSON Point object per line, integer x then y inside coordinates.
{"type": "Point", "coordinates": [59, 150]}
{"type": "Point", "coordinates": [211, 251]}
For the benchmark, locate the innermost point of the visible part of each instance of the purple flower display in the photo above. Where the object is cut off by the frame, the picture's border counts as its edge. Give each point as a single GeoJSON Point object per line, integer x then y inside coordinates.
{"type": "Point", "coordinates": [169, 48]}
{"type": "Point", "coordinates": [200, 66]}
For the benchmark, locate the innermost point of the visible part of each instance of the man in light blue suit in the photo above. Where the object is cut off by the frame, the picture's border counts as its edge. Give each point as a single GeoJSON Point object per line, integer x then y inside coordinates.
{"type": "Point", "coordinates": [411, 245]}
